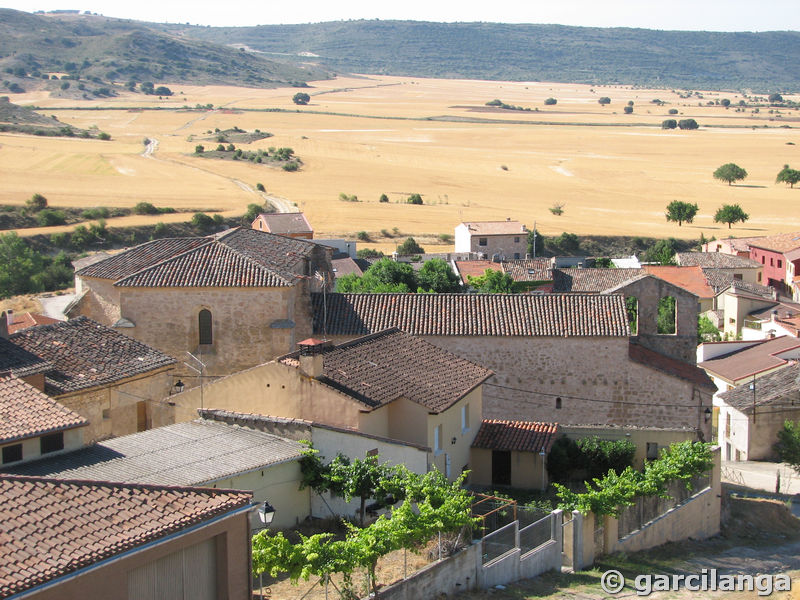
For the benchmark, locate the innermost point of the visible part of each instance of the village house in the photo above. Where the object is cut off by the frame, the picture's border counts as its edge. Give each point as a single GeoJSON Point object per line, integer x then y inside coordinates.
{"type": "Point", "coordinates": [512, 453]}
{"type": "Point", "coordinates": [753, 312]}
{"type": "Point", "coordinates": [33, 425]}
{"type": "Point", "coordinates": [111, 380]}
{"type": "Point", "coordinates": [565, 358]}
{"type": "Point", "coordinates": [233, 300]}
{"type": "Point", "coordinates": [727, 266]}
{"type": "Point", "coordinates": [779, 256]}
{"type": "Point", "coordinates": [500, 239]}
{"type": "Point", "coordinates": [751, 414]}
{"type": "Point", "coordinates": [529, 275]}
{"type": "Point", "coordinates": [201, 453]}
{"type": "Point", "coordinates": [116, 541]}
{"type": "Point", "coordinates": [293, 225]}
{"type": "Point", "coordinates": [733, 246]}
{"type": "Point", "coordinates": [387, 384]}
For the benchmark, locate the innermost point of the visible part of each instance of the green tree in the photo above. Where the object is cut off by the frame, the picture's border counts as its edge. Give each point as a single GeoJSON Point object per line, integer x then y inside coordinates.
{"type": "Point", "coordinates": [550, 101]}
{"type": "Point", "coordinates": [147, 87]}
{"type": "Point", "coordinates": [383, 198]}
{"type": "Point", "coordinates": [662, 252]}
{"type": "Point", "coordinates": [414, 199]}
{"type": "Point", "coordinates": [775, 98]}
{"type": "Point", "coordinates": [706, 330]}
{"type": "Point", "coordinates": [492, 282]}
{"type": "Point", "coordinates": [162, 91]}
{"type": "Point", "coordinates": [788, 175]}
{"type": "Point", "coordinates": [725, 102]}
{"type": "Point", "coordinates": [730, 213]}
{"type": "Point", "coordinates": [627, 110]}
{"type": "Point", "coordinates": [301, 98]}
{"type": "Point", "coordinates": [567, 243]}
{"type": "Point", "coordinates": [603, 100]}
{"type": "Point", "coordinates": [538, 238]}
{"type": "Point", "coordinates": [49, 217]}
{"type": "Point", "coordinates": [673, 111]}
{"type": "Point", "coordinates": [199, 149]}
{"type": "Point", "coordinates": [669, 124]}
{"type": "Point", "coordinates": [202, 221]}
{"type": "Point", "coordinates": [437, 276]}
{"type": "Point", "coordinates": [688, 124]}
{"type": "Point", "coordinates": [384, 276]}
{"type": "Point", "coordinates": [679, 212]}
{"type": "Point", "coordinates": [410, 246]}
{"type": "Point", "coordinates": [18, 265]}
{"type": "Point", "coordinates": [730, 172]}
{"type": "Point", "coordinates": [36, 202]}
{"type": "Point", "coordinates": [788, 445]}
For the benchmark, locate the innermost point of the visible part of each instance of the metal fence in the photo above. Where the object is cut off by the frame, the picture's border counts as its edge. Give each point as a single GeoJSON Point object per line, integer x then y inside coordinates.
{"type": "Point", "coordinates": [499, 542]}
{"type": "Point", "coordinates": [536, 534]}
{"type": "Point", "coordinates": [647, 508]}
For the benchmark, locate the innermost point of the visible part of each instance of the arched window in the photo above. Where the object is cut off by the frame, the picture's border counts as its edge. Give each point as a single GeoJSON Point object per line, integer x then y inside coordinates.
{"type": "Point", "coordinates": [204, 327]}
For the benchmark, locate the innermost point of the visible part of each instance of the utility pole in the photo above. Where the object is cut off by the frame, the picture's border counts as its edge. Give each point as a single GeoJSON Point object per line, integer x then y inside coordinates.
{"type": "Point", "coordinates": [201, 372]}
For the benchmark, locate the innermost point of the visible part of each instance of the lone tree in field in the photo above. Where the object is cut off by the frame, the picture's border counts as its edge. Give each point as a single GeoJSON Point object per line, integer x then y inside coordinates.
{"type": "Point", "coordinates": [730, 172]}
{"type": "Point", "coordinates": [550, 101]}
{"type": "Point", "coordinates": [36, 203]}
{"type": "Point", "coordinates": [604, 100]}
{"type": "Point", "coordinates": [679, 212]}
{"type": "Point", "coordinates": [788, 175]}
{"type": "Point", "coordinates": [669, 124]}
{"type": "Point", "coordinates": [775, 98]}
{"type": "Point", "coordinates": [730, 213]}
{"type": "Point", "coordinates": [301, 98]}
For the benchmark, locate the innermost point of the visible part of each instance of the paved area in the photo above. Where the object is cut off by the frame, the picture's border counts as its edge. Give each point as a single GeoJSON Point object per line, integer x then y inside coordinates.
{"type": "Point", "coordinates": [760, 479]}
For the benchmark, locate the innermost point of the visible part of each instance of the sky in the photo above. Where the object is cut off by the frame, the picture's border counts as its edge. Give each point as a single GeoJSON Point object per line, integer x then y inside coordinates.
{"type": "Point", "coordinates": [703, 15]}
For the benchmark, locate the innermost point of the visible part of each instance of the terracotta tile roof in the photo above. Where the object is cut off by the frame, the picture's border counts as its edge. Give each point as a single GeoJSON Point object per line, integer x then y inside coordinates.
{"type": "Point", "coordinates": [26, 412]}
{"type": "Point", "coordinates": [530, 269]}
{"type": "Point", "coordinates": [495, 228]}
{"type": "Point", "coordinates": [379, 368]}
{"type": "Point", "coordinates": [758, 357]}
{"type": "Point", "coordinates": [192, 453]}
{"type": "Point", "coordinates": [591, 280]}
{"type": "Point", "coordinates": [672, 366]}
{"type": "Point", "coordinates": [141, 256]}
{"type": "Point", "coordinates": [781, 386]}
{"type": "Point", "coordinates": [690, 279]}
{"type": "Point", "coordinates": [20, 362]}
{"type": "Point", "coordinates": [27, 319]}
{"type": "Point", "coordinates": [475, 268]}
{"type": "Point", "coordinates": [286, 223]}
{"type": "Point", "coordinates": [783, 242]}
{"type": "Point", "coordinates": [718, 279]}
{"type": "Point", "coordinates": [714, 260]}
{"type": "Point", "coordinates": [522, 436]}
{"type": "Point", "coordinates": [52, 528]}
{"type": "Point", "coordinates": [238, 257]}
{"type": "Point", "coordinates": [548, 315]}
{"type": "Point", "coordinates": [86, 354]}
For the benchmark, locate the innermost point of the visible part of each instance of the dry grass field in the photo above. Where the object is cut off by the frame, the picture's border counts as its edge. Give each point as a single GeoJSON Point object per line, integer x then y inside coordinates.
{"type": "Point", "coordinates": [614, 173]}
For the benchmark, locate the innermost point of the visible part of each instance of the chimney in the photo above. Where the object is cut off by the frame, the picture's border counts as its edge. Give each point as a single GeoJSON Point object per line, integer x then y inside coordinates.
{"type": "Point", "coordinates": [311, 356]}
{"type": "Point", "coordinates": [6, 319]}
{"type": "Point", "coordinates": [774, 315]}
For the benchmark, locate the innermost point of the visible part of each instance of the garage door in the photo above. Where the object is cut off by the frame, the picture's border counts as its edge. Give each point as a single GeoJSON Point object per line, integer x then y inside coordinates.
{"type": "Point", "coordinates": [189, 574]}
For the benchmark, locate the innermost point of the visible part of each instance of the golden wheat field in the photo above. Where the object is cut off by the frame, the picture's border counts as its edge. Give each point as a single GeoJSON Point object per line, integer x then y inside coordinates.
{"type": "Point", "coordinates": [613, 173]}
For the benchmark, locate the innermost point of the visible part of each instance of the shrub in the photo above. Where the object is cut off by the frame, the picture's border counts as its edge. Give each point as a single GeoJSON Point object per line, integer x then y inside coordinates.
{"type": "Point", "coordinates": [260, 187]}
{"type": "Point", "coordinates": [369, 253]}
{"type": "Point", "coordinates": [220, 148]}
{"type": "Point", "coordinates": [162, 91]}
{"type": "Point", "coordinates": [145, 208]}
{"type": "Point", "coordinates": [49, 217]}
{"type": "Point", "coordinates": [669, 124]}
{"type": "Point", "coordinates": [202, 221]}
{"type": "Point", "coordinates": [362, 236]}
{"type": "Point", "coordinates": [627, 110]}
{"type": "Point", "coordinates": [95, 213]}
{"type": "Point", "coordinates": [36, 202]}
{"type": "Point", "coordinates": [199, 149]}
{"type": "Point", "coordinates": [383, 198]}
{"type": "Point", "coordinates": [301, 98]}
{"type": "Point", "coordinates": [348, 198]}
{"type": "Point", "coordinates": [446, 237]}
{"type": "Point", "coordinates": [410, 246]}
{"type": "Point", "coordinates": [159, 229]}
{"type": "Point", "coordinates": [673, 111]}
{"type": "Point", "coordinates": [291, 166]}
{"type": "Point", "coordinates": [414, 199]}
{"type": "Point", "coordinates": [688, 124]}
{"type": "Point", "coordinates": [603, 100]}
{"type": "Point", "coordinates": [103, 136]}
{"type": "Point", "coordinates": [550, 101]}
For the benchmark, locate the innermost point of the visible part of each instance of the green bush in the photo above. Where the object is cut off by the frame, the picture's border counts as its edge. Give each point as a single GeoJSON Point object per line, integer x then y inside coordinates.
{"type": "Point", "coordinates": [260, 187]}
{"type": "Point", "coordinates": [49, 217]}
{"type": "Point", "coordinates": [145, 208]}
{"type": "Point", "coordinates": [202, 221]}
{"type": "Point", "coordinates": [550, 101]}
{"type": "Point", "coordinates": [103, 136]}
{"type": "Point", "coordinates": [199, 149]}
{"type": "Point", "coordinates": [383, 198]}
{"type": "Point", "coordinates": [36, 202]}
{"type": "Point", "coordinates": [414, 199]}
{"type": "Point", "coordinates": [291, 166]}
{"type": "Point", "coordinates": [348, 197]}
{"type": "Point", "coordinates": [362, 236]}
{"type": "Point", "coordinates": [95, 213]}
{"type": "Point", "coordinates": [410, 246]}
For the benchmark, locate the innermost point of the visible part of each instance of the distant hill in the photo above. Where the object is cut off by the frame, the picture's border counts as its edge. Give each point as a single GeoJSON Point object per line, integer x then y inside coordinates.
{"type": "Point", "coordinates": [101, 49]}
{"type": "Point", "coordinates": [686, 59]}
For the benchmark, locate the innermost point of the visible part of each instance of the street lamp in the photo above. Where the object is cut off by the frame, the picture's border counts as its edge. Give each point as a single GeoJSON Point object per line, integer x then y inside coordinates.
{"type": "Point", "coordinates": [179, 385]}
{"type": "Point", "coordinates": [266, 512]}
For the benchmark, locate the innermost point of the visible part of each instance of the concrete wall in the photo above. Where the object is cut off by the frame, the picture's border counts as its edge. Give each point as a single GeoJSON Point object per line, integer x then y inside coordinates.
{"type": "Point", "coordinates": [109, 581]}
{"type": "Point", "coordinates": [32, 449]}
{"type": "Point", "coordinates": [101, 301]}
{"type": "Point", "coordinates": [749, 440]}
{"type": "Point", "coordinates": [697, 518]}
{"type": "Point", "coordinates": [278, 484]}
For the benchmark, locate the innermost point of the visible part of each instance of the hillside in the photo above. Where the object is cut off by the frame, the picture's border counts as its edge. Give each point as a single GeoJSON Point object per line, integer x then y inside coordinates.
{"type": "Point", "coordinates": [686, 59]}
{"type": "Point", "coordinates": [101, 49]}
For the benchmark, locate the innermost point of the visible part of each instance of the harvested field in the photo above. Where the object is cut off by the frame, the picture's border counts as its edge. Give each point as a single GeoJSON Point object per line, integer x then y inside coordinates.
{"type": "Point", "coordinates": [614, 173]}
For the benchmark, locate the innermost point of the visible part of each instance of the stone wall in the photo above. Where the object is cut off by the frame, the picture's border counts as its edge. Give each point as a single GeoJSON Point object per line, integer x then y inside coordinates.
{"type": "Point", "coordinates": [250, 326]}
{"type": "Point", "coordinates": [101, 301]}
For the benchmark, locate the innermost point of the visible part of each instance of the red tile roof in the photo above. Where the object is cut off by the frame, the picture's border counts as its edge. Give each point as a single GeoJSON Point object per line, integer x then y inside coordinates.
{"type": "Point", "coordinates": [475, 268]}
{"type": "Point", "coordinates": [557, 315]}
{"type": "Point", "coordinates": [783, 242]}
{"type": "Point", "coordinates": [85, 354]}
{"type": "Point", "coordinates": [672, 366]}
{"type": "Point", "coordinates": [530, 269]}
{"type": "Point", "coordinates": [592, 280]}
{"type": "Point", "coordinates": [691, 279]}
{"type": "Point", "coordinates": [752, 359]}
{"type": "Point", "coordinates": [383, 367]}
{"type": "Point", "coordinates": [50, 528]}
{"type": "Point", "coordinates": [26, 412]}
{"type": "Point", "coordinates": [27, 319]}
{"type": "Point", "coordinates": [521, 436]}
